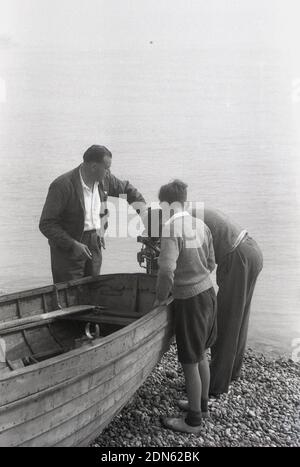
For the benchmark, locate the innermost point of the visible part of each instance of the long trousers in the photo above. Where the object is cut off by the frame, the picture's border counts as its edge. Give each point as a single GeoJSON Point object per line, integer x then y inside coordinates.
{"type": "Point", "coordinates": [236, 278]}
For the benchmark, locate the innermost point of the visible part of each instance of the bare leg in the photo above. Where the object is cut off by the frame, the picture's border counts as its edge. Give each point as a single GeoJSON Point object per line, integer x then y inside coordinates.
{"type": "Point", "coordinates": [191, 423]}
{"type": "Point", "coordinates": [193, 386]}
{"type": "Point", "coordinates": [204, 372]}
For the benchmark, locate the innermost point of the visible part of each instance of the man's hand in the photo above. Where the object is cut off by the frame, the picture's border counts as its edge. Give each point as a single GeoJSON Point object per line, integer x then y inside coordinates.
{"type": "Point", "coordinates": [82, 250]}
{"type": "Point", "coordinates": [165, 302]}
{"type": "Point", "coordinates": [159, 303]}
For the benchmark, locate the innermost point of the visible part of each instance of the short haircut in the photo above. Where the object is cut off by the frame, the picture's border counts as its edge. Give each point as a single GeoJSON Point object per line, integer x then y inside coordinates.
{"type": "Point", "coordinates": [96, 154]}
{"type": "Point", "coordinates": [173, 192]}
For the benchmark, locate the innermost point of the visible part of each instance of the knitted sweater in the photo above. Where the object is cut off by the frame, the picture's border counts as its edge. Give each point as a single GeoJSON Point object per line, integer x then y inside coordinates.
{"type": "Point", "coordinates": [186, 258]}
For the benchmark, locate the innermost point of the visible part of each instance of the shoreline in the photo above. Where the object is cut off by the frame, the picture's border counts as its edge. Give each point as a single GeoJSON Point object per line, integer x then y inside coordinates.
{"type": "Point", "coordinates": [260, 409]}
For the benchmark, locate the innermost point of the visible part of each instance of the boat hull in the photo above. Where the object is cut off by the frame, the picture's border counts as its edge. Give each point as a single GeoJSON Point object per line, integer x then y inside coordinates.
{"type": "Point", "coordinates": [69, 399]}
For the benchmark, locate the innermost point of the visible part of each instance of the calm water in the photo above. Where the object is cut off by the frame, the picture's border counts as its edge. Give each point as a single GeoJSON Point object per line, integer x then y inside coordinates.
{"type": "Point", "coordinates": [223, 121]}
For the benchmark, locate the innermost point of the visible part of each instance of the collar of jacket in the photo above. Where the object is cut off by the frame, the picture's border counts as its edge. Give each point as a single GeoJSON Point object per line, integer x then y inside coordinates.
{"type": "Point", "coordinates": [78, 187]}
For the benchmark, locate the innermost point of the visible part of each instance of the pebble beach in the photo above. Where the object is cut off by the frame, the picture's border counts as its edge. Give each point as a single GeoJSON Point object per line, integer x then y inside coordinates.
{"type": "Point", "coordinates": [261, 409]}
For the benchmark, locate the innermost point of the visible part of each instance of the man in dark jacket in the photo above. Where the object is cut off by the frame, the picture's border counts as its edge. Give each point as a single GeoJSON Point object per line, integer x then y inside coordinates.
{"type": "Point", "coordinates": [239, 262]}
{"type": "Point", "coordinates": [74, 217]}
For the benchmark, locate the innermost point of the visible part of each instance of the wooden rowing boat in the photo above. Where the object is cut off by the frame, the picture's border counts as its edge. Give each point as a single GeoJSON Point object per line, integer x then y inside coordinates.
{"type": "Point", "coordinates": [73, 354]}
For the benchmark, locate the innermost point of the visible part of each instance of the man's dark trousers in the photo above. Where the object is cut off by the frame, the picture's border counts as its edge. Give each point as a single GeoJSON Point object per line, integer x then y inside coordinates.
{"type": "Point", "coordinates": [66, 265]}
{"type": "Point", "coordinates": [236, 278]}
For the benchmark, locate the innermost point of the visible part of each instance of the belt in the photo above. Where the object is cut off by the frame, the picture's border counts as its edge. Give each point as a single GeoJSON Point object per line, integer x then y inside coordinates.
{"type": "Point", "coordinates": [90, 231]}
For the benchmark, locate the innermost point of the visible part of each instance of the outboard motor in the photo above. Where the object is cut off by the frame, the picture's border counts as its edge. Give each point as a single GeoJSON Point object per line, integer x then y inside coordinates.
{"type": "Point", "coordinates": [148, 256]}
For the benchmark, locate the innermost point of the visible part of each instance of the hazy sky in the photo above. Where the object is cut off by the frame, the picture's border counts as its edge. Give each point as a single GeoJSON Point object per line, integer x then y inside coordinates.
{"type": "Point", "coordinates": [133, 23]}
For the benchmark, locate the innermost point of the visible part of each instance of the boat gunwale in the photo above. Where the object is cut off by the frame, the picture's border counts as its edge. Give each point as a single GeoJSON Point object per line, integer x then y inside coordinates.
{"type": "Point", "coordinates": [83, 350]}
{"type": "Point", "coordinates": [65, 285]}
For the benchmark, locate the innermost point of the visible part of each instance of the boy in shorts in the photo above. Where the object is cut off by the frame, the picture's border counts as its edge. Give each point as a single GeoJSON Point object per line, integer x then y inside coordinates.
{"type": "Point", "coordinates": [185, 263]}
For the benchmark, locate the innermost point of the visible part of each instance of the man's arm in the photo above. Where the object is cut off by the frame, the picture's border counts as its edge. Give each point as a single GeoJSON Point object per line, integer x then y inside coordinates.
{"type": "Point", "coordinates": [51, 215]}
{"type": "Point", "coordinates": [123, 187]}
{"type": "Point", "coordinates": [167, 261]}
{"type": "Point", "coordinates": [134, 197]}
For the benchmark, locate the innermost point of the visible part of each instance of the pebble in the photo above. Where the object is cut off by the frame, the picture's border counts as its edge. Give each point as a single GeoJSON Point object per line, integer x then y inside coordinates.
{"type": "Point", "coordinates": [261, 408]}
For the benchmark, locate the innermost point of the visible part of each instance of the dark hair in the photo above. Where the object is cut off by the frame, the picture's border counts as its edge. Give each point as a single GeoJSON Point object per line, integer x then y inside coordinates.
{"type": "Point", "coordinates": [96, 154]}
{"type": "Point", "coordinates": [173, 192]}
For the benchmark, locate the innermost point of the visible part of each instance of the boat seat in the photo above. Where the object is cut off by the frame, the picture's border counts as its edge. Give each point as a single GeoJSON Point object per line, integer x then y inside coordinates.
{"type": "Point", "coordinates": [102, 319]}
{"type": "Point", "coordinates": [34, 321]}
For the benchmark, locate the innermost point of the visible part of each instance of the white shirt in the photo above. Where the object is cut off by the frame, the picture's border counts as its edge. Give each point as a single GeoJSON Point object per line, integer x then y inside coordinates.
{"type": "Point", "coordinates": [92, 206]}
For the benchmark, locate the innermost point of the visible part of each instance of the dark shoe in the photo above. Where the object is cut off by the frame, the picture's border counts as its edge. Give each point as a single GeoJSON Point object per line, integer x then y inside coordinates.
{"type": "Point", "coordinates": [183, 404]}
